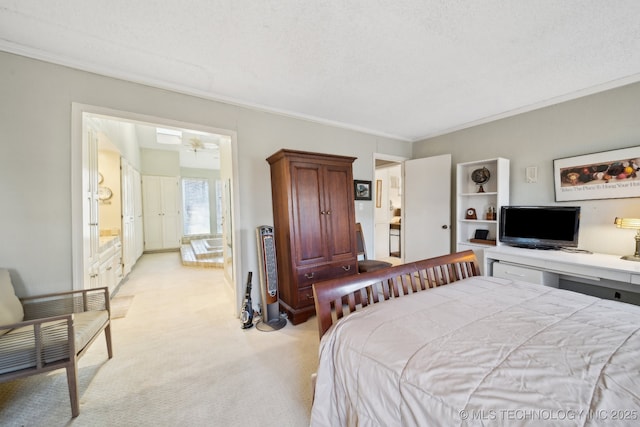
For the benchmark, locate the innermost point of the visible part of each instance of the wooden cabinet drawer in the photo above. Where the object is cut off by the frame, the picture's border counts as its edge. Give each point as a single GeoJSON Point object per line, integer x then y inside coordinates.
{"type": "Point", "coordinates": [342, 269]}
{"type": "Point", "coordinates": [310, 275]}
{"type": "Point", "coordinates": [305, 296]}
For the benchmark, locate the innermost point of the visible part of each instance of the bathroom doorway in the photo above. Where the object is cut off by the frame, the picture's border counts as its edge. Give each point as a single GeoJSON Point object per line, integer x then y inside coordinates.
{"type": "Point", "coordinates": [154, 146]}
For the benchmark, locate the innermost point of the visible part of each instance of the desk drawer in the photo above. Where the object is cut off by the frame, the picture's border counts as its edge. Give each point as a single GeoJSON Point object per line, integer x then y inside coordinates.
{"type": "Point", "coordinates": [516, 272]}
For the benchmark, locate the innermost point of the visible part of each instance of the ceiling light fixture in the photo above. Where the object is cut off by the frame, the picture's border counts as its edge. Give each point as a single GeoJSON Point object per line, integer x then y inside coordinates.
{"type": "Point", "coordinates": [195, 144]}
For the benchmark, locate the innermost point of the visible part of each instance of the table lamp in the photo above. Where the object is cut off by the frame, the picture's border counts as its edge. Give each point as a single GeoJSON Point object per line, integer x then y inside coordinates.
{"type": "Point", "coordinates": [633, 223]}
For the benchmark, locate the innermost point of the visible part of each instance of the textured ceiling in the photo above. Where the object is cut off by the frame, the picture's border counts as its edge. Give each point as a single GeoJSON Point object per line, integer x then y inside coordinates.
{"type": "Point", "coordinates": [405, 69]}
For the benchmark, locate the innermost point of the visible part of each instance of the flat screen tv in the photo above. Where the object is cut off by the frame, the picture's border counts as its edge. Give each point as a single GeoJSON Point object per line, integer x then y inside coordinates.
{"type": "Point", "coordinates": [540, 227]}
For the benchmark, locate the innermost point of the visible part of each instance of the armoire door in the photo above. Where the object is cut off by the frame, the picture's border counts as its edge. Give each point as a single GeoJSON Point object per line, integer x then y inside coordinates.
{"type": "Point", "coordinates": [338, 212]}
{"type": "Point", "coordinates": [308, 226]}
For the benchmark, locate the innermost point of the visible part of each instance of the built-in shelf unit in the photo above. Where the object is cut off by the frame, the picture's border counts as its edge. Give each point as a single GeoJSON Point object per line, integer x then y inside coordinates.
{"type": "Point", "coordinates": [469, 196]}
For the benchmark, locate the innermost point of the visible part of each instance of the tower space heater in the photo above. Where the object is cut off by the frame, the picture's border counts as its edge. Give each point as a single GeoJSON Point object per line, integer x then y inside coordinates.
{"type": "Point", "coordinates": [271, 319]}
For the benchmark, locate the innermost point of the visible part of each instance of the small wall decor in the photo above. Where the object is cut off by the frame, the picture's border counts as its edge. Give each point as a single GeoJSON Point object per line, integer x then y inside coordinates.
{"type": "Point", "coordinates": [606, 175]}
{"type": "Point", "coordinates": [104, 193]}
{"type": "Point", "coordinates": [378, 193]}
{"type": "Point", "coordinates": [362, 189]}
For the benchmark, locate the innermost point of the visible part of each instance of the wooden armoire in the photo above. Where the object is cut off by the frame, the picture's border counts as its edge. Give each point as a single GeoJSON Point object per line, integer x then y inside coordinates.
{"type": "Point", "coordinates": [314, 225]}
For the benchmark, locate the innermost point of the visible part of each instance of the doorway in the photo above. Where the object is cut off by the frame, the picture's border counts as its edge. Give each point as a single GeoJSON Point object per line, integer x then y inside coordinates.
{"type": "Point", "coordinates": [387, 228]}
{"type": "Point", "coordinates": [413, 217]}
{"type": "Point", "coordinates": [136, 140]}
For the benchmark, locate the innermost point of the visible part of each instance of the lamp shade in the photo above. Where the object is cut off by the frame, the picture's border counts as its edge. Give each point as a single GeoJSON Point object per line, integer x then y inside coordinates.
{"type": "Point", "coordinates": [635, 224]}
{"type": "Point", "coordinates": [627, 223]}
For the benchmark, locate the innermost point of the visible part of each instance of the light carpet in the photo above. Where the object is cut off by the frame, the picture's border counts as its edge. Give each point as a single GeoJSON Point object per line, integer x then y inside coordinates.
{"type": "Point", "coordinates": [180, 358]}
{"type": "Point", "coordinates": [120, 306]}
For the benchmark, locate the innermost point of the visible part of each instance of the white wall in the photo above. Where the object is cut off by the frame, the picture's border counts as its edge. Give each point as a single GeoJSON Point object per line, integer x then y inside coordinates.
{"type": "Point", "coordinates": [35, 161]}
{"type": "Point", "coordinates": [600, 122]}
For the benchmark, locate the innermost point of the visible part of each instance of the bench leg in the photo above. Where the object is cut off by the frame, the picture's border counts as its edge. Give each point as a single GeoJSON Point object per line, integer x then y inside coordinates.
{"type": "Point", "coordinates": [107, 335]}
{"type": "Point", "coordinates": [72, 381]}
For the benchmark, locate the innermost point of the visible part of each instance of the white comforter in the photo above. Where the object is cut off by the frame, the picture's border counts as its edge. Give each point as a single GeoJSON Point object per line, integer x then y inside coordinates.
{"type": "Point", "coordinates": [482, 351]}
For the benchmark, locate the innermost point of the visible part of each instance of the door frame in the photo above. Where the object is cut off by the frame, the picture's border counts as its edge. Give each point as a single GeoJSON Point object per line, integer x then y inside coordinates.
{"type": "Point", "coordinates": [78, 166]}
{"type": "Point", "coordinates": [391, 158]}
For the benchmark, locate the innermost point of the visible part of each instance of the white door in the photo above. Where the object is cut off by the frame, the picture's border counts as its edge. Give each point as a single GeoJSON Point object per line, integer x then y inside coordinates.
{"type": "Point", "coordinates": [152, 208]}
{"type": "Point", "coordinates": [426, 213]}
{"type": "Point", "coordinates": [171, 208]}
{"type": "Point", "coordinates": [128, 216]}
{"type": "Point", "coordinates": [161, 207]}
{"type": "Point", "coordinates": [90, 225]}
{"type": "Point", "coordinates": [137, 208]}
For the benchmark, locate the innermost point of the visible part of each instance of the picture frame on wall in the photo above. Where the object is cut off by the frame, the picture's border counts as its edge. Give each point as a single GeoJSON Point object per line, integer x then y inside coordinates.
{"type": "Point", "coordinates": [611, 174]}
{"type": "Point", "coordinates": [362, 189]}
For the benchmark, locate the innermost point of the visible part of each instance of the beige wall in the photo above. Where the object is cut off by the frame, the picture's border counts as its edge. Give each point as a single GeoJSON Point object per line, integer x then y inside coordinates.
{"type": "Point", "coordinates": [600, 122]}
{"type": "Point", "coordinates": [36, 175]}
{"type": "Point", "coordinates": [35, 161]}
{"type": "Point", "coordinates": [159, 162]}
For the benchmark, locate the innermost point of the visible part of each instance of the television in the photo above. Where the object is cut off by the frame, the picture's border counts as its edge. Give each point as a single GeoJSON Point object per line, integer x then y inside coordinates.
{"type": "Point", "coordinates": [540, 227]}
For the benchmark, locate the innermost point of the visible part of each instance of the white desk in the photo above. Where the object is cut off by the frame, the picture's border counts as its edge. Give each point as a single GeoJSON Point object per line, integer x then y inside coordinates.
{"type": "Point", "coordinates": [594, 269]}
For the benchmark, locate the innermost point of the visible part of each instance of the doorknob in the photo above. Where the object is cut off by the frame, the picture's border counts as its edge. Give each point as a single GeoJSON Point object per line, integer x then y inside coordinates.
{"type": "Point", "coordinates": [444, 227]}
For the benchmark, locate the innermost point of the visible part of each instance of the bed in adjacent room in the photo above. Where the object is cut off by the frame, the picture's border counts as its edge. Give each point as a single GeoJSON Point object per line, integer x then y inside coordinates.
{"type": "Point", "coordinates": [480, 350]}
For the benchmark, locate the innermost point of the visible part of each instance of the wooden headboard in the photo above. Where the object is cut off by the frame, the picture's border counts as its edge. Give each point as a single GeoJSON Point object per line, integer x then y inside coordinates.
{"type": "Point", "coordinates": [334, 297]}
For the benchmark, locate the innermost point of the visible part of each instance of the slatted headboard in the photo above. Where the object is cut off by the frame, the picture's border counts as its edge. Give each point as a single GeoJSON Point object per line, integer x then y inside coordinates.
{"type": "Point", "coordinates": [338, 297]}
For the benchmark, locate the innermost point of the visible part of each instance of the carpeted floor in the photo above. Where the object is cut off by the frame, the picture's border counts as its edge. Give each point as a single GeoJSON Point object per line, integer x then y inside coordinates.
{"type": "Point", "coordinates": [120, 306]}
{"type": "Point", "coordinates": [180, 358]}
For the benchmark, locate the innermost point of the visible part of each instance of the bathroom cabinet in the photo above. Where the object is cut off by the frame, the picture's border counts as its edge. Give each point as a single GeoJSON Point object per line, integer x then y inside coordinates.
{"type": "Point", "coordinates": [110, 263]}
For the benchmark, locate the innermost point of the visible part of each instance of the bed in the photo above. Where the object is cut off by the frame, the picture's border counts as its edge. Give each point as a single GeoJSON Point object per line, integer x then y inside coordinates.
{"type": "Point", "coordinates": [478, 351]}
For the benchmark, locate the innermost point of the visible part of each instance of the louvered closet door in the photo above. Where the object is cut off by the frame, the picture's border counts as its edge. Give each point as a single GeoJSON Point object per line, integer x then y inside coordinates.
{"type": "Point", "coordinates": [152, 207]}
{"type": "Point", "coordinates": [162, 219]}
{"type": "Point", "coordinates": [171, 208]}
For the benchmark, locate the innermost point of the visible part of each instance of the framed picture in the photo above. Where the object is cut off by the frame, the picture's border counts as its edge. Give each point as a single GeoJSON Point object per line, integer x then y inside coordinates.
{"type": "Point", "coordinates": [362, 189]}
{"type": "Point", "coordinates": [606, 175]}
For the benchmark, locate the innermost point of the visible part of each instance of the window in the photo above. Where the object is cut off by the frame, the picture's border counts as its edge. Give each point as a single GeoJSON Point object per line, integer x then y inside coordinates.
{"type": "Point", "coordinates": [195, 196]}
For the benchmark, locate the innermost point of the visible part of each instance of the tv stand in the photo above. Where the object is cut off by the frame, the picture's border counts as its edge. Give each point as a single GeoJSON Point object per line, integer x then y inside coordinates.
{"type": "Point", "coordinates": [604, 275]}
